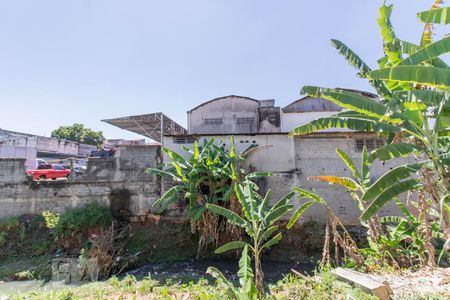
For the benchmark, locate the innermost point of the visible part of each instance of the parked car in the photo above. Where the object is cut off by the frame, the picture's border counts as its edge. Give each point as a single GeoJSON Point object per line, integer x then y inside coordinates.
{"type": "Point", "coordinates": [40, 161]}
{"type": "Point", "coordinates": [78, 169]}
{"type": "Point", "coordinates": [49, 171]}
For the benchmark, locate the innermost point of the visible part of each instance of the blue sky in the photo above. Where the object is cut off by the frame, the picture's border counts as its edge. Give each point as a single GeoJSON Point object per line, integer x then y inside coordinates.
{"type": "Point", "coordinates": [81, 61]}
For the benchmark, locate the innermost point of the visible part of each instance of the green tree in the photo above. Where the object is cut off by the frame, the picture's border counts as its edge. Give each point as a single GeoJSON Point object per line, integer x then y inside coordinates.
{"type": "Point", "coordinates": [78, 133]}
{"type": "Point", "coordinates": [412, 112]}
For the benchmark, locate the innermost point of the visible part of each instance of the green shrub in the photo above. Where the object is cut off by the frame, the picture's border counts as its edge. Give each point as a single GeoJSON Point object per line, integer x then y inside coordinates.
{"type": "Point", "coordinates": [76, 221]}
{"type": "Point", "coordinates": [51, 219]}
{"type": "Point", "coordinates": [9, 224]}
{"type": "Point", "coordinates": [41, 247]}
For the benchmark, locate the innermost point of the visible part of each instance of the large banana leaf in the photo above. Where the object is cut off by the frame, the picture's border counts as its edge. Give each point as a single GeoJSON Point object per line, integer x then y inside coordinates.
{"type": "Point", "coordinates": [353, 59]}
{"type": "Point", "coordinates": [276, 214]}
{"type": "Point", "coordinates": [273, 241]}
{"type": "Point", "coordinates": [428, 97]}
{"type": "Point", "coordinates": [232, 217]}
{"type": "Point", "coordinates": [365, 168]}
{"type": "Point", "coordinates": [357, 124]}
{"type": "Point", "coordinates": [387, 31]}
{"type": "Point", "coordinates": [436, 16]}
{"type": "Point", "coordinates": [298, 213]}
{"type": "Point", "coordinates": [346, 182]}
{"type": "Point", "coordinates": [405, 210]}
{"type": "Point", "coordinates": [350, 100]}
{"type": "Point", "coordinates": [245, 275]}
{"type": "Point", "coordinates": [428, 53]}
{"type": "Point", "coordinates": [427, 34]}
{"type": "Point", "coordinates": [263, 206]}
{"type": "Point", "coordinates": [163, 173]}
{"type": "Point", "coordinates": [388, 195]}
{"type": "Point", "coordinates": [391, 151]}
{"type": "Point", "coordinates": [410, 49]}
{"type": "Point", "coordinates": [422, 75]}
{"type": "Point", "coordinates": [391, 48]}
{"type": "Point", "coordinates": [283, 201]}
{"type": "Point", "coordinates": [390, 178]}
{"type": "Point", "coordinates": [169, 197]}
{"type": "Point", "coordinates": [246, 201]}
{"type": "Point", "coordinates": [268, 233]}
{"type": "Point", "coordinates": [222, 280]}
{"type": "Point", "coordinates": [306, 194]}
{"type": "Point", "coordinates": [231, 246]}
{"type": "Point", "coordinates": [363, 69]}
{"type": "Point", "coordinates": [349, 162]}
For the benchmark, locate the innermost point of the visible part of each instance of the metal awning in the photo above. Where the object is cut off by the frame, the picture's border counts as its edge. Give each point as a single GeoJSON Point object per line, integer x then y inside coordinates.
{"type": "Point", "coordinates": [153, 126]}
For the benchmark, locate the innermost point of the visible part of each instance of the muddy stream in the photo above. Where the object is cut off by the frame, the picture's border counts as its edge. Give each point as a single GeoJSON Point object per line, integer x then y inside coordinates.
{"type": "Point", "coordinates": [176, 271]}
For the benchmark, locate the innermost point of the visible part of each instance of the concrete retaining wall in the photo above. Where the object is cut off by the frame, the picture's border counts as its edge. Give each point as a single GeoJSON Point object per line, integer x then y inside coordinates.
{"type": "Point", "coordinates": [119, 182]}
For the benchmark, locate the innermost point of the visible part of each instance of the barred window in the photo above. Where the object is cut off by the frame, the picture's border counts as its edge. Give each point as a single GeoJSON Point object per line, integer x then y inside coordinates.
{"type": "Point", "coordinates": [184, 140]}
{"type": "Point", "coordinates": [272, 118]}
{"type": "Point", "coordinates": [371, 144]}
{"type": "Point", "coordinates": [213, 121]}
{"type": "Point", "coordinates": [242, 121]}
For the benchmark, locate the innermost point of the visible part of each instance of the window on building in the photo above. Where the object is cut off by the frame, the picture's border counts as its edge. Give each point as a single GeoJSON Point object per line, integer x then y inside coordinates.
{"type": "Point", "coordinates": [184, 140]}
{"type": "Point", "coordinates": [213, 121]}
{"type": "Point", "coordinates": [272, 117]}
{"type": "Point", "coordinates": [243, 121]}
{"type": "Point", "coordinates": [370, 143]}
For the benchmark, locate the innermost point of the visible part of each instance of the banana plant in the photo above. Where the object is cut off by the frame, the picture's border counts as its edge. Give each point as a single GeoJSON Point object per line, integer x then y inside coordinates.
{"type": "Point", "coordinates": [412, 110]}
{"type": "Point", "coordinates": [356, 186]}
{"type": "Point", "coordinates": [405, 241]}
{"type": "Point", "coordinates": [247, 289]}
{"type": "Point", "coordinates": [400, 239]}
{"type": "Point", "coordinates": [207, 176]}
{"type": "Point", "coordinates": [258, 220]}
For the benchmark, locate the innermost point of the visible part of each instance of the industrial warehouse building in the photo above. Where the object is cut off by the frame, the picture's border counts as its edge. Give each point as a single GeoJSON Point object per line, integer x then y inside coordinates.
{"type": "Point", "coordinates": [256, 123]}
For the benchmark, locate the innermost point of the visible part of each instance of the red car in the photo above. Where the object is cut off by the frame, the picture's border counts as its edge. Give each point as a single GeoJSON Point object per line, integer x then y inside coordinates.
{"type": "Point", "coordinates": [48, 171]}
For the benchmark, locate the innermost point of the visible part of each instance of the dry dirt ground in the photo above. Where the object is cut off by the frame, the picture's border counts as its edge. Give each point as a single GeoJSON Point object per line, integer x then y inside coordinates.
{"type": "Point", "coordinates": [415, 283]}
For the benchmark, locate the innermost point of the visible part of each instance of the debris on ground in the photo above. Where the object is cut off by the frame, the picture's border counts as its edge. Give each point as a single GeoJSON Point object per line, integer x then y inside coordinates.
{"type": "Point", "coordinates": [418, 283]}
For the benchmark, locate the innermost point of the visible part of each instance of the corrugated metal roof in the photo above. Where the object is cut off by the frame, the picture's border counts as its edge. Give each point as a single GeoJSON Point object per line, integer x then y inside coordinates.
{"type": "Point", "coordinates": [224, 97]}
{"type": "Point", "coordinates": [149, 125]}
{"type": "Point", "coordinates": [309, 104]}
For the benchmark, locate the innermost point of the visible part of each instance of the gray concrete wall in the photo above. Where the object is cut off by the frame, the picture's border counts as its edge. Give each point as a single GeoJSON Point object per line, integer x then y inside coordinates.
{"type": "Point", "coordinates": [317, 156]}
{"type": "Point", "coordinates": [12, 170]}
{"type": "Point", "coordinates": [293, 160]}
{"type": "Point", "coordinates": [120, 182]}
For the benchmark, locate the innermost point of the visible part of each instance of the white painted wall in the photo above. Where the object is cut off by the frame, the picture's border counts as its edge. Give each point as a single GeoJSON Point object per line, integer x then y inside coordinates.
{"type": "Point", "coordinates": [20, 147]}
{"type": "Point", "coordinates": [294, 120]}
{"type": "Point", "coordinates": [227, 108]}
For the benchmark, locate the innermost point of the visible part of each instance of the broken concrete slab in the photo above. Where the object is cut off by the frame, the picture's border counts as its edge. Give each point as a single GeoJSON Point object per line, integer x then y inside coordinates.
{"type": "Point", "coordinates": [365, 282]}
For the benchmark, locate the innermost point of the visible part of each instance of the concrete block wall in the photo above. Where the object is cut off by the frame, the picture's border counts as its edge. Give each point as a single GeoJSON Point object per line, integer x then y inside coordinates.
{"type": "Point", "coordinates": [33, 198]}
{"type": "Point", "coordinates": [108, 181]}
{"type": "Point", "coordinates": [317, 156]}
{"type": "Point", "coordinates": [12, 170]}
{"type": "Point", "coordinates": [293, 160]}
